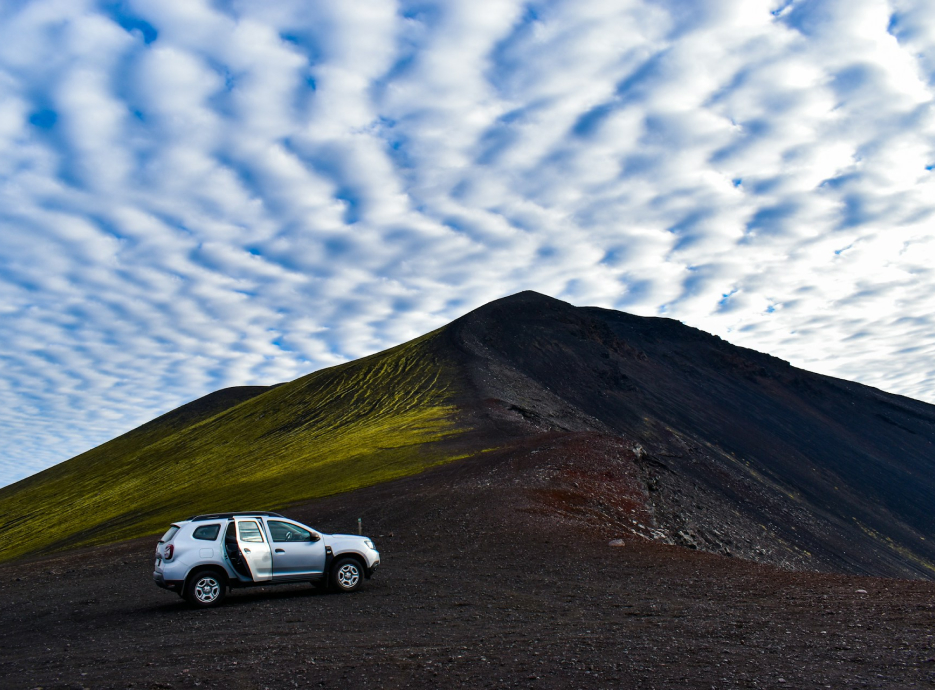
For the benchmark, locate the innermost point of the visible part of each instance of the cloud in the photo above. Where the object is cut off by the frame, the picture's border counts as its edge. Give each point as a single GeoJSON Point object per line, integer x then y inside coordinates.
{"type": "Point", "coordinates": [197, 194]}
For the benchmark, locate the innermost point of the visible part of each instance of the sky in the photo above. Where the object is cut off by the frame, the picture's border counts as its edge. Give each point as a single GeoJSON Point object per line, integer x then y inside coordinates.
{"type": "Point", "coordinates": [199, 194]}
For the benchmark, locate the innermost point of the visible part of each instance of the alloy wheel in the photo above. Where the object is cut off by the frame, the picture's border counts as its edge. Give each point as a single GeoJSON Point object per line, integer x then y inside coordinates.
{"type": "Point", "coordinates": [348, 576]}
{"type": "Point", "coordinates": [207, 589]}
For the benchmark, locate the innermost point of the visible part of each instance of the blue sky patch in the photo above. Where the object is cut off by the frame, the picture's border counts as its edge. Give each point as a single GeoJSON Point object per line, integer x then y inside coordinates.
{"type": "Point", "coordinates": [43, 119]}
{"type": "Point", "coordinates": [120, 13]}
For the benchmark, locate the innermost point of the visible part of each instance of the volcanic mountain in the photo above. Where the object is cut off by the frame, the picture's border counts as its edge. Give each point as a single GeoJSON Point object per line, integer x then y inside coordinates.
{"type": "Point", "coordinates": [630, 427]}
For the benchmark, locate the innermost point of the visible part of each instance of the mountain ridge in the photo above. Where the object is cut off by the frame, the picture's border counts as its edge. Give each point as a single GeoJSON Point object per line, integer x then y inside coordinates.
{"type": "Point", "coordinates": [714, 447]}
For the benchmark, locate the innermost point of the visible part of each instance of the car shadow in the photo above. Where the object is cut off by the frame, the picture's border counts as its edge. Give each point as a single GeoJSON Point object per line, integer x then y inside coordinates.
{"type": "Point", "coordinates": [248, 596]}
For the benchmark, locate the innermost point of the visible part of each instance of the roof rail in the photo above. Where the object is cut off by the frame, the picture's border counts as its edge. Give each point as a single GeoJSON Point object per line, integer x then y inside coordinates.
{"type": "Point", "coordinates": [221, 516]}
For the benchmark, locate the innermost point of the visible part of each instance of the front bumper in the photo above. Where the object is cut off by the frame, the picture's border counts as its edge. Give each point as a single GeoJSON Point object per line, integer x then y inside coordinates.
{"type": "Point", "coordinates": [368, 572]}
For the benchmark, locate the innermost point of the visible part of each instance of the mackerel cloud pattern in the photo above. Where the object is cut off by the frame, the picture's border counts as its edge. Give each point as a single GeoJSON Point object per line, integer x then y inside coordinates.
{"type": "Point", "coordinates": [201, 194]}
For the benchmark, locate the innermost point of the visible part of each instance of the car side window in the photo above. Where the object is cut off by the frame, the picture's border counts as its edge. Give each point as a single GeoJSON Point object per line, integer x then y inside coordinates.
{"type": "Point", "coordinates": [283, 531]}
{"type": "Point", "coordinates": [249, 531]}
{"type": "Point", "coordinates": [207, 532]}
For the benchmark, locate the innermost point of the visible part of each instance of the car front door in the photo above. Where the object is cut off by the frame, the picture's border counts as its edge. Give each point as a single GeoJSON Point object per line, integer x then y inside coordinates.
{"type": "Point", "coordinates": [297, 551]}
{"type": "Point", "coordinates": [255, 549]}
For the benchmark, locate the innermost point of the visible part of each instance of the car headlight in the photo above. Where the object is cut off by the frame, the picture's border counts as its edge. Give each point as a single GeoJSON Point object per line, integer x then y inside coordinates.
{"type": "Point", "coordinates": [368, 544]}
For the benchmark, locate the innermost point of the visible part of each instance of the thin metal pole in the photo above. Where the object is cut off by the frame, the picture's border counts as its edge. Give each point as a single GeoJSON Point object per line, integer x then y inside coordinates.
{"type": "Point", "coordinates": [360, 528]}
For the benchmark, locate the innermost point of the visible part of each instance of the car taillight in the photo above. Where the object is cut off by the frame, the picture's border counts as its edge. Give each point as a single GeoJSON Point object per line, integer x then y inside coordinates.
{"type": "Point", "coordinates": [169, 550]}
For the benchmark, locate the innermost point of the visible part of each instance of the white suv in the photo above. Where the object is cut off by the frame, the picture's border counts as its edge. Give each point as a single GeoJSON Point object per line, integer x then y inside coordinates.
{"type": "Point", "coordinates": [202, 557]}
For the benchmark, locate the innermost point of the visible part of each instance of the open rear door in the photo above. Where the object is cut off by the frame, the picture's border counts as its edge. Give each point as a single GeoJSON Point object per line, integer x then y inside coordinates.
{"type": "Point", "coordinates": [255, 549]}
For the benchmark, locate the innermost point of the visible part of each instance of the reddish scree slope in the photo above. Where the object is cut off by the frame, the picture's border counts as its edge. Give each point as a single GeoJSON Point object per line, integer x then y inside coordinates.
{"type": "Point", "coordinates": [705, 444]}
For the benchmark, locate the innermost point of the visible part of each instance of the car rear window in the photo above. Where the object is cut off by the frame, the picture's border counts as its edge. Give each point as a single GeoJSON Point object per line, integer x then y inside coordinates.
{"type": "Point", "coordinates": [169, 534]}
{"type": "Point", "coordinates": [207, 532]}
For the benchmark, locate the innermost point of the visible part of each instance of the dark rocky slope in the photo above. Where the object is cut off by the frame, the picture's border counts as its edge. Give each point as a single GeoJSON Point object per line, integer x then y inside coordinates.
{"type": "Point", "coordinates": [736, 452]}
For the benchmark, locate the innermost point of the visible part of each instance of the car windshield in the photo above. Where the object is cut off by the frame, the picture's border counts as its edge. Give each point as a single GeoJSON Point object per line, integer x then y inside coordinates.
{"type": "Point", "coordinates": [169, 534]}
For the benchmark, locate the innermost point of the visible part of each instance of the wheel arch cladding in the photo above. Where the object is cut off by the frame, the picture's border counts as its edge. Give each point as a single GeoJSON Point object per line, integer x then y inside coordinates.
{"type": "Point", "coordinates": [361, 561]}
{"type": "Point", "coordinates": [216, 569]}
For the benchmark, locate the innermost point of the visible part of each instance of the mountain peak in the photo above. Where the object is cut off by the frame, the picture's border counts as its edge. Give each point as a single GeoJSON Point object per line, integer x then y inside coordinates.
{"type": "Point", "coordinates": [525, 300]}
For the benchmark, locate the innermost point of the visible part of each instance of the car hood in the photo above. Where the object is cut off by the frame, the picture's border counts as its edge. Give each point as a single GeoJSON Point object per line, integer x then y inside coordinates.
{"type": "Point", "coordinates": [346, 541]}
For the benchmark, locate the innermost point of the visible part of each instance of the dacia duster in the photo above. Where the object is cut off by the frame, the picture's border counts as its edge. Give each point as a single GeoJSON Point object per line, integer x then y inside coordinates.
{"type": "Point", "coordinates": [202, 557]}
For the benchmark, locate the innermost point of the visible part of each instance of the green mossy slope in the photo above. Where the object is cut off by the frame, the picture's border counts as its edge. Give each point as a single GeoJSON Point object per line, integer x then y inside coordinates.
{"type": "Point", "coordinates": [361, 423]}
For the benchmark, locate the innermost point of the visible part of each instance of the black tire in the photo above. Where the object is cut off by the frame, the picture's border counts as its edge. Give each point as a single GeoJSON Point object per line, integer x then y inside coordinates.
{"type": "Point", "coordinates": [205, 589]}
{"type": "Point", "coordinates": [347, 575]}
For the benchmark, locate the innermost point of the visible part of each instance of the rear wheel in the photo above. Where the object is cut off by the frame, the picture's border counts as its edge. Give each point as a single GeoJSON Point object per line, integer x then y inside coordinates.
{"type": "Point", "coordinates": [347, 575]}
{"type": "Point", "coordinates": [205, 589]}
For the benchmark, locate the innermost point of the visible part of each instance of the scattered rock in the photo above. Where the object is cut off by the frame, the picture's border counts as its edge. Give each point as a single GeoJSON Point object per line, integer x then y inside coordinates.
{"type": "Point", "coordinates": [616, 542]}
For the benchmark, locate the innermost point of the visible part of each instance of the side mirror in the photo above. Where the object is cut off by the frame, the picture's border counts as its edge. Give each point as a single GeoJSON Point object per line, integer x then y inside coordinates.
{"type": "Point", "coordinates": [314, 537]}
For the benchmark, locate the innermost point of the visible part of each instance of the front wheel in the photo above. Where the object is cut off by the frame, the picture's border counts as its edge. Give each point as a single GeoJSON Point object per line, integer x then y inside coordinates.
{"type": "Point", "coordinates": [347, 575]}
{"type": "Point", "coordinates": [205, 589]}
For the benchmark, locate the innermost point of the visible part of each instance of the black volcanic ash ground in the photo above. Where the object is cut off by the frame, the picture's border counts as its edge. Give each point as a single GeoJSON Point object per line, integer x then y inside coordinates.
{"type": "Point", "coordinates": [482, 586]}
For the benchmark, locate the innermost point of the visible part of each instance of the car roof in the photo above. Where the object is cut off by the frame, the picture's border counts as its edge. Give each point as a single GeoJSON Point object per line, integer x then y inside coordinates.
{"type": "Point", "coordinates": [222, 516]}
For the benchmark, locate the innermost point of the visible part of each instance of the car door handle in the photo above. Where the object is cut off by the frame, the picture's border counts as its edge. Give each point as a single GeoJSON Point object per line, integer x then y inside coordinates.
{"type": "Point", "coordinates": [280, 550]}
{"type": "Point", "coordinates": [246, 550]}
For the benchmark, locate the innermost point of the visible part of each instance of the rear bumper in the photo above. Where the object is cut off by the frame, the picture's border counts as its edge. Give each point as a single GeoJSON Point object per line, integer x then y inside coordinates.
{"type": "Point", "coordinates": [174, 585]}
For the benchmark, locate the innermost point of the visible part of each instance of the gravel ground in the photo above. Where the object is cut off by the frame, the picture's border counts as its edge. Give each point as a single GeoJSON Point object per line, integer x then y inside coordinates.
{"type": "Point", "coordinates": [478, 588]}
